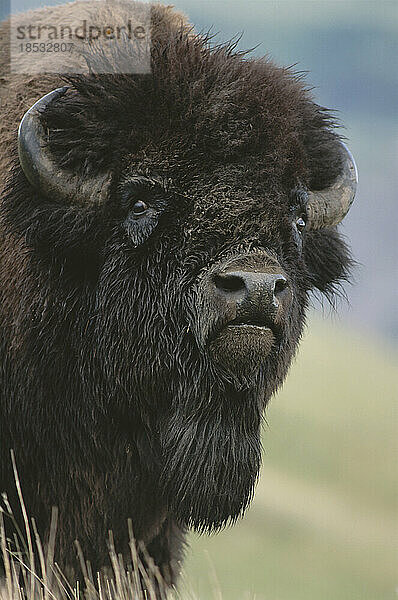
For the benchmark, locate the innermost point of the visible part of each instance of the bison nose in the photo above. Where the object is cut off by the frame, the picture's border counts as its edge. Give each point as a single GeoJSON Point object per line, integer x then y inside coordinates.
{"type": "Point", "coordinates": [256, 297]}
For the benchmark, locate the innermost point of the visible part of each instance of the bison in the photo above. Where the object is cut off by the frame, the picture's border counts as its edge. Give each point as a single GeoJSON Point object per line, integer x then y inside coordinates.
{"type": "Point", "coordinates": [160, 234]}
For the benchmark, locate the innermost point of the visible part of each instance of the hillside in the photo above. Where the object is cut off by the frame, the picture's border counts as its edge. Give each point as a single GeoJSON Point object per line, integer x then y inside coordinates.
{"type": "Point", "coordinates": [322, 524]}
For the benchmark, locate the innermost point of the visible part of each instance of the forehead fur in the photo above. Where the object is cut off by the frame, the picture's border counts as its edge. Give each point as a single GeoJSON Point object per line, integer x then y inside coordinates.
{"type": "Point", "coordinates": [201, 104]}
{"type": "Point", "coordinates": [213, 101]}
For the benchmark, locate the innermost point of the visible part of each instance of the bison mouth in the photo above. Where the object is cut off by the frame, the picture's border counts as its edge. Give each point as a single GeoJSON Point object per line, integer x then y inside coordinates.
{"type": "Point", "coordinates": [243, 346]}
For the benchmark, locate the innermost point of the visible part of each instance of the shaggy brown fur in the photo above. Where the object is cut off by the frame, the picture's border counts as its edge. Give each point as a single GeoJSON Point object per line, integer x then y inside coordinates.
{"type": "Point", "coordinates": [117, 395]}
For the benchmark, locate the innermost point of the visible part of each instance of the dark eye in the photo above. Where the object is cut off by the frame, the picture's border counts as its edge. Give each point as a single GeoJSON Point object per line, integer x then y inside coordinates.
{"type": "Point", "coordinates": [300, 224]}
{"type": "Point", "coordinates": [139, 208]}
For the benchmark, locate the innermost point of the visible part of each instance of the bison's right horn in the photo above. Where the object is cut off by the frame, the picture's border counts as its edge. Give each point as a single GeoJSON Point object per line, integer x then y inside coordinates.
{"type": "Point", "coordinates": [328, 207]}
{"type": "Point", "coordinates": [41, 170]}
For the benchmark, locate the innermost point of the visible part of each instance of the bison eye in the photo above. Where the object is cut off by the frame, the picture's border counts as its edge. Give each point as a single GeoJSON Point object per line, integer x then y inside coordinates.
{"type": "Point", "coordinates": [139, 208]}
{"type": "Point", "coordinates": [300, 224]}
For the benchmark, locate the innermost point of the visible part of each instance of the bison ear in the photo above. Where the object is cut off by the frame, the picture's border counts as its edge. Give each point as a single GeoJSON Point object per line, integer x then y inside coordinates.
{"type": "Point", "coordinates": [328, 260]}
{"type": "Point", "coordinates": [40, 168]}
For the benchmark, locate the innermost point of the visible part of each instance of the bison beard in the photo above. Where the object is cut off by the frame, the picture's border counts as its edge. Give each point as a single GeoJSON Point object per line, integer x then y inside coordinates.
{"type": "Point", "coordinates": [212, 454]}
{"type": "Point", "coordinates": [210, 439]}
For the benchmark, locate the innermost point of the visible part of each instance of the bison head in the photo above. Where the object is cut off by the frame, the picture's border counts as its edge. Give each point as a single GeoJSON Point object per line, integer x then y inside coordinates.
{"type": "Point", "coordinates": [186, 215]}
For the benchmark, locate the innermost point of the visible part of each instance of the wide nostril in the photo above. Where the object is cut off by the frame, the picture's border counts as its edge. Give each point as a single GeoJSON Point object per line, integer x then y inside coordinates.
{"type": "Point", "coordinates": [280, 285]}
{"type": "Point", "coordinates": [229, 283]}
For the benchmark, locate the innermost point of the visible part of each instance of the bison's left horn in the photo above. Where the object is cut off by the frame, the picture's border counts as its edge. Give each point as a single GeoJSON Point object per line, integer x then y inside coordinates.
{"type": "Point", "coordinates": [41, 170]}
{"type": "Point", "coordinates": [328, 207]}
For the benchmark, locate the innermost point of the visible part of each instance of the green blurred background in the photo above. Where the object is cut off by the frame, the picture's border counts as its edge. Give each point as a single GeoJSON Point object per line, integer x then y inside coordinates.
{"type": "Point", "coordinates": [323, 523]}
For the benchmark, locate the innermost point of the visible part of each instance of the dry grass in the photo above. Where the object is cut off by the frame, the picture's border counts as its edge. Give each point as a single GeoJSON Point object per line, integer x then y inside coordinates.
{"type": "Point", "coordinates": [27, 579]}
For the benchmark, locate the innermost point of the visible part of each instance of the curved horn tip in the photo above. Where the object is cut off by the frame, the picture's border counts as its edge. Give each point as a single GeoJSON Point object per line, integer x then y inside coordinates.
{"type": "Point", "coordinates": [42, 103]}
{"type": "Point", "coordinates": [32, 156]}
{"type": "Point", "coordinates": [328, 207]}
{"type": "Point", "coordinates": [353, 164]}
{"type": "Point", "coordinates": [40, 168]}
